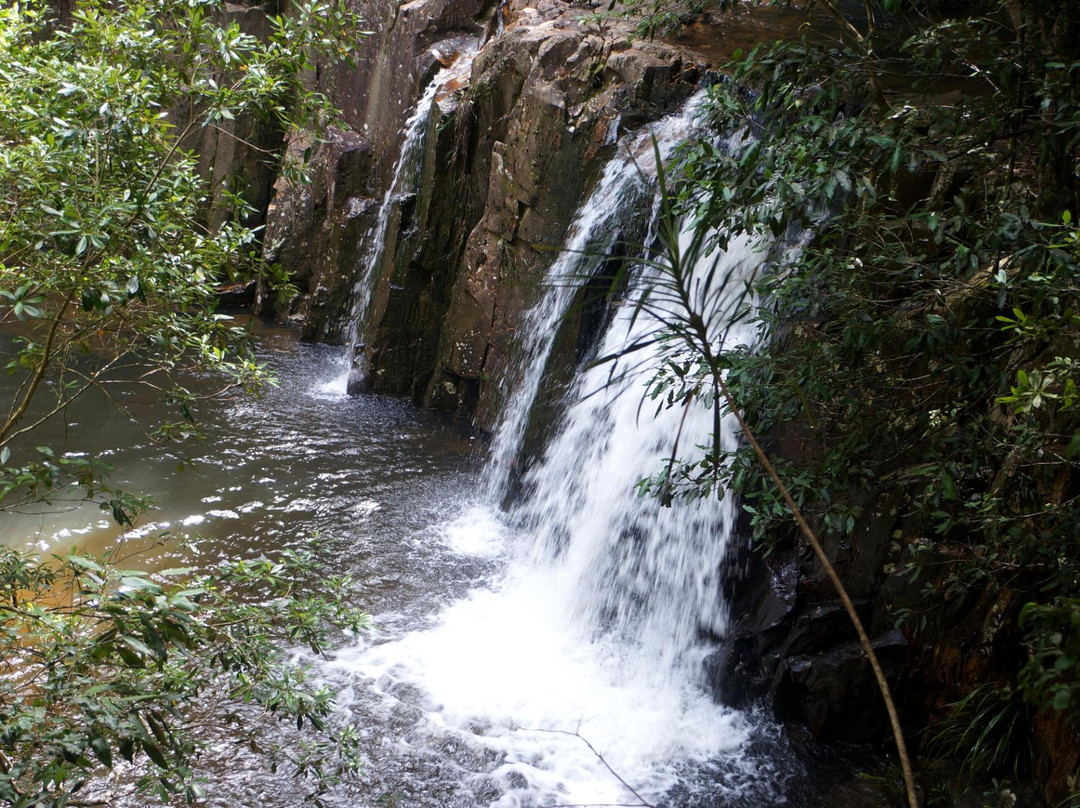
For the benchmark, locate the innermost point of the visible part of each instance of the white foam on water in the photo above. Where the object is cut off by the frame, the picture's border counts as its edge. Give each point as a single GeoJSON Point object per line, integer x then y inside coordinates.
{"type": "Point", "coordinates": [223, 514]}
{"type": "Point", "coordinates": [335, 388]}
{"type": "Point", "coordinates": [476, 531]}
{"type": "Point", "coordinates": [598, 630]}
{"type": "Point", "coordinates": [504, 669]}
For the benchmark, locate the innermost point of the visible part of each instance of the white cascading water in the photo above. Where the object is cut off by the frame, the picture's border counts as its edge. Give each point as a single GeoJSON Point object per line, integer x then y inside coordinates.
{"type": "Point", "coordinates": [581, 670]}
{"type": "Point", "coordinates": [648, 574]}
{"type": "Point", "coordinates": [627, 180]}
{"type": "Point", "coordinates": [405, 178]}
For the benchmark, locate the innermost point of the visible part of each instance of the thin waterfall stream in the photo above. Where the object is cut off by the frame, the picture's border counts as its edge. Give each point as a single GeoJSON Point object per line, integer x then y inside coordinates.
{"type": "Point", "coordinates": [404, 180]}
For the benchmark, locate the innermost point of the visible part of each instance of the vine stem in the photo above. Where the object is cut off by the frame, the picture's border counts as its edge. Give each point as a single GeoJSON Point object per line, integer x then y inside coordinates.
{"type": "Point", "coordinates": [865, 44]}
{"type": "Point", "coordinates": [849, 606]}
{"type": "Point", "coordinates": [694, 331]}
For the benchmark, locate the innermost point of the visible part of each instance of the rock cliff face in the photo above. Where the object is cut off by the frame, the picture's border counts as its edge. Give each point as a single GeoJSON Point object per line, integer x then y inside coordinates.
{"type": "Point", "coordinates": [509, 151]}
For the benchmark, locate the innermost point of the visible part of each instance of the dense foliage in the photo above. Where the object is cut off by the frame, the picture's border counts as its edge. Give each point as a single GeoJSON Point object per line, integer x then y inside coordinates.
{"type": "Point", "coordinates": [922, 344]}
{"type": "Point", "coordinates": [109, 274]}
{"type": "Point", "coordinates": [101, 666]}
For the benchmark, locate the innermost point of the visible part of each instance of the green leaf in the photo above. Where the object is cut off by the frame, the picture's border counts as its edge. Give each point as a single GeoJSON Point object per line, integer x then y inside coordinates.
{"type": "Point", "coordinates": [102, 750]}
{"type": "Point", "coordinates": [176, 572]}
{"type": "Point", "coordinates": [136, 645]}
{"type": "Point", "coordinates": [1073, 449]}
{"type": "Point", "coordinates": [153, 751]}
{"type": "Point", "coordinates": [132, 660]}
{"type": "Point", "coordinates": [948, 486]}
{"type": "Point", "coordinates": [126, 747]}
{"type": "Point", "coordinates": [139, 584]}
{"type": "Point", "coordinates": [1061, 700]}
{"type": "Point", "coordinates": [85, 563]}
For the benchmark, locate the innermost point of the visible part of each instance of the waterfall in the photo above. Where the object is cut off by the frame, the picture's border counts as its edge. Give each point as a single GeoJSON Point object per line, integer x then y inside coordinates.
{"type": "Point", "coordinates": [404, 180]}
{"type": "Point", "coordinates": [585, 657]}
{"type": "Point", "coordinates": [626, 565]}
{"type": "Point", "coordinates": [626, 181]}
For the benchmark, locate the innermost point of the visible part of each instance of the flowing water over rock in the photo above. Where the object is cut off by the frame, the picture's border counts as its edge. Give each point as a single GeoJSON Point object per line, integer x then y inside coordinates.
{"type": "Point", "coordinates": [627, 182]}
{"type": "Point", "coordinates": [403, 182]}
{"type": "Point", "coordinates": [551, 654]}
{"type": "Point", "coordinates": [487, 648]}
{"type": "Point", "coordinates": [592, 640]}
{"type": "Point", "coordinates": [576, 675]}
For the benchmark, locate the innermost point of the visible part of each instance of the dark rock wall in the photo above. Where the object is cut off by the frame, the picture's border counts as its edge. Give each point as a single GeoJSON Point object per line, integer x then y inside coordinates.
{"type": "Point", "coordinates": [536, 124]}
{"type": "Point", "coordinates": [315, 232]}
{"type": "Point", "coordinates": [791, 643]}
{"type": "Point", "coordinates": [509, 154]}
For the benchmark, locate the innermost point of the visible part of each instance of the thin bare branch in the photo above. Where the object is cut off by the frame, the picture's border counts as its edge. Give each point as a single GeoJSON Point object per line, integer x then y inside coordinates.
{"type": "Point", "coordinates": [841, 591]}
{"type": "Point", "coordinates": [577, 734]}
{"type": "Point", "coordinates": [39, 373]}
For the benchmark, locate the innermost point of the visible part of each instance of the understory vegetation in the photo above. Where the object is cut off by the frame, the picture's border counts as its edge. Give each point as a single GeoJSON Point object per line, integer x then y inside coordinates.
{"type": "Point", "coordinates": [110, 668]}
{"type": "Point", "coordinates": [920, 350]}
{"type": "Point", "coordinates": [109, 279]}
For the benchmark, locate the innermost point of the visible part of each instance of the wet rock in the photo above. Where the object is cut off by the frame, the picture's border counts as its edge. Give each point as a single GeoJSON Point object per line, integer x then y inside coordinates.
{"type": "Point", "coordinates": [315, 232]}
{"type": "Point", "coordinates": [835, 693]}
{"type": "Point", "coordinates": [763, 596]}
{"type": "Point", "coordinates": [822, 626]}
{"type": "Point", "coordinates": [236, 294]}
{"type": "Point", "coordinates": [318, 234]}
{"type": "Point", "coordinates": [536, 116]}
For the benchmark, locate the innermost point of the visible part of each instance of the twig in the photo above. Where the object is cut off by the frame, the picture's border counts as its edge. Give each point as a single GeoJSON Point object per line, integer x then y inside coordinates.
{"type": "Point", "coordinates": [694, 332]}
{"type": "Point", "coordinates": [39, 371]}
{"type": "Point", "coordinates": [577, 734]}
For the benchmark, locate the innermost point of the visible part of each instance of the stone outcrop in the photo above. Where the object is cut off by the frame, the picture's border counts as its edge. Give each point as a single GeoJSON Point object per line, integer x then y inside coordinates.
{"type": "Point", "coordinates": [547, 101]}
{"type": "Point", "coordinates": [510, 150]}
{"type": "Point", "coordinates": [315, 233]}
{"type": "Point", "coordinates": [318, 232]}
{"type": "Point", "coordinates": [791, 644]}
